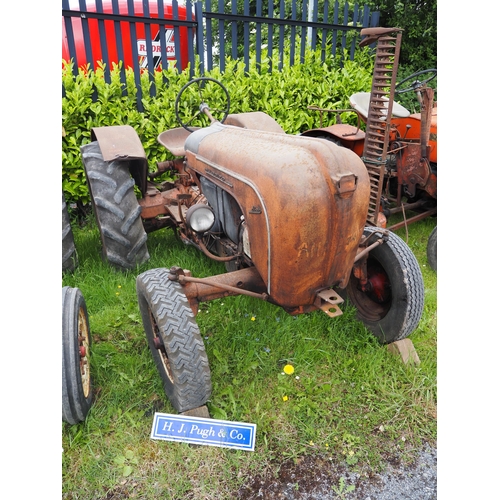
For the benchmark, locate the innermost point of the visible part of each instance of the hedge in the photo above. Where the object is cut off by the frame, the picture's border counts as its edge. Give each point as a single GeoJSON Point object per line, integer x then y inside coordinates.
{"type": "Point", "coordinates": [91, 102]}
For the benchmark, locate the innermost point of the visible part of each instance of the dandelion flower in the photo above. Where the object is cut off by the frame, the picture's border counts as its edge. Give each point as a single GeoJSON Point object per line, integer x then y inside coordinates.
{"type": "Point", "coordinates": [288, 369]}
{"type": "Point", "coordinates": [285, 398]}
{"type": "Point", "coordinates": [119, 286]}
{"type": "Point", "coordinates": [117, 293]}
{"type": "Point", "coordinates": [253, 318]}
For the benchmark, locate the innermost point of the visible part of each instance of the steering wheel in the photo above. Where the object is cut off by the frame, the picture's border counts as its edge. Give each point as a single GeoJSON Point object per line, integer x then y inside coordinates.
{"type": "Point", "coordinates": [416, 84]}
{"type": "Point", "coordinates": [192, 94]}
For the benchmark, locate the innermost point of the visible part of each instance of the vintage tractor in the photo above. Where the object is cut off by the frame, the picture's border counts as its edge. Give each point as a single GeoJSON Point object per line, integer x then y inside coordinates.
{"type": "Point", "coordinates": [399, 149]}
{"type": "Point", "coordinates": [286, 214]}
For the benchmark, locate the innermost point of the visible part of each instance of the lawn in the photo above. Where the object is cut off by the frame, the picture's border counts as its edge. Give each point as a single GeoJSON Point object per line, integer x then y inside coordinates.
{"type": "Point", "coordinates": [348, 399]}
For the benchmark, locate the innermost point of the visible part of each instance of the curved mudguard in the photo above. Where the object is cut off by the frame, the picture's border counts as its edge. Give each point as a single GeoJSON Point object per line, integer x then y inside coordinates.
{"type": "Point", "coordinates": [255, 120]}
{"type": "Point", "coordinates": [349, 136]}
{"type": "Point", "coordinates": [121, 142]}
{"type": "Point", "coordinates": [304, 200]}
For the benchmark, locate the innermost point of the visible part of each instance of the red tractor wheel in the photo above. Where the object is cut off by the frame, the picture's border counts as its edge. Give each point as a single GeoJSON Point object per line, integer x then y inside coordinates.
{"type": "Point", "coordinates": [392, 304]}
{"type": "Point", "coordinates": [77, 391]}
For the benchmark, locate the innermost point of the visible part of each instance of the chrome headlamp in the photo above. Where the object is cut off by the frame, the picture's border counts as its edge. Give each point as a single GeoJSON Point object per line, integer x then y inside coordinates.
{"type": "Point", "coordinates": [200, 218]}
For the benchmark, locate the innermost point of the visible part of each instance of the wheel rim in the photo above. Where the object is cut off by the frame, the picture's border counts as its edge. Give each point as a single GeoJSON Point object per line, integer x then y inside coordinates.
{"type": "Point", "coordinates": [84, 351]}
{"type": "Point", "coordinates": [375, 302]}
{"type": "Point", "coordinates": [160, 347]}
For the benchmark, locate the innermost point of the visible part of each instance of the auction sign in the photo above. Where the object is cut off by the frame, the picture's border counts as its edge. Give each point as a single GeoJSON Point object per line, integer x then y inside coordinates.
{"type": "Point", "coordinates": [204, 431]}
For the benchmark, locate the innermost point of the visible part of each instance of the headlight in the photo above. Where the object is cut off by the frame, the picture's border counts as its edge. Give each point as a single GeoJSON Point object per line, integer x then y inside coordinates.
{"type": "Point", "coordinates": [200, 218]}
{"type": "Point", "coordinates": [246, 240]}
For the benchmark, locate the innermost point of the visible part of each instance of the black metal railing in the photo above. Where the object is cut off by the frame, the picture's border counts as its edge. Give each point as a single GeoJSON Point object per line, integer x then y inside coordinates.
{"type": "Point", "coordinates": [150, 34]}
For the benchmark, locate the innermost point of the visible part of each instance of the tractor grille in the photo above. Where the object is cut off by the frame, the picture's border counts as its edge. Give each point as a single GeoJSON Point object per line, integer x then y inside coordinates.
{"type": "Point", "coordinates": [379, 117]}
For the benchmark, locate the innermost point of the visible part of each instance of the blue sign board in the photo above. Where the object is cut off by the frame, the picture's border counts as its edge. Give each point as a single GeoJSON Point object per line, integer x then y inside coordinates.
{"type": "Point", "coordinates": [204, 431]}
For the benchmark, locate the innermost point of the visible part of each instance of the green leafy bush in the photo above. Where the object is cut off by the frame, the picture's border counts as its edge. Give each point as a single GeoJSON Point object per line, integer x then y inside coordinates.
{"type": "Point", "coordinates": [92, 102]}
{"type": "Point", "coordinates": [418, 19]}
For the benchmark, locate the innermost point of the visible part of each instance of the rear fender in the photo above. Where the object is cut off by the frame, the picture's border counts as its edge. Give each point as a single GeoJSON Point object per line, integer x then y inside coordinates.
{"type": "Point", "coordinates": [121, 142]}
{"type": "Point", "coordinates": [346, 135]}
{"type": "Point", "coordinates": [254, 120]}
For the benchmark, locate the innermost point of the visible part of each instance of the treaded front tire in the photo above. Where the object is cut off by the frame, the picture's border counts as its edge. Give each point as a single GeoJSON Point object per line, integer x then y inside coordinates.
{"type": "Point", "coordinates": [115, 206]}
{"type": "Point", "coordinates": [174, 340]}
{"type": "Point", "coordinates": [69, 257]}
{"type": "Point", "coordinates": [394, 306]}
{"type": "Point", "coordinates": [77, 393]}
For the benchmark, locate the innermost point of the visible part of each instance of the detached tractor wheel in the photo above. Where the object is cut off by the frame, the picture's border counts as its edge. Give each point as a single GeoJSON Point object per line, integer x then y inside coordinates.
{"type": "Point", "coordinates": [392, 309]}
{"type": "Point", "coordinates": [432, 249]}
{"type": "Point", "coordinates": [76, 382]}
{"type": "Point", "coordinates": [115, 206]}
{"type": "Point", "coordinates": [174, 340]}
{"type": "Point", "coordinates": [69, 257]}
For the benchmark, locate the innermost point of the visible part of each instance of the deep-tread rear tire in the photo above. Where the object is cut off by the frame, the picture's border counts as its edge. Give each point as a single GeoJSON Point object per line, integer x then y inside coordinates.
{"type": "Point", "coordinates": [432, 250]}
{"type": "Point", "coordinates": [393, 309]}
{"type": "Point", "coordinates": [69, 257]}
{"type": "Point", "coordinates": [115, 206]}
{"type": "Point", "coordinates": [77, 393]}
{"type": "Point", "coordinates": [174, 340]}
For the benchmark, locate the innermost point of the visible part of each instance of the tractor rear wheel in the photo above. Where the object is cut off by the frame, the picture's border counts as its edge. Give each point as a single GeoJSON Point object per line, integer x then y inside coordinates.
{"type": "Point", "coordinates": [77, 391]}
{"type": "Point", "coordinates": [174, 340]}
{"type": "Point", "coordinates": [69, 257]}
{"type": "Point", "coordinates": [392, 309]}
{"type": "Point", "coordinates": [115, 206]}
{"type": "Point", "coordinates": [432, 249]}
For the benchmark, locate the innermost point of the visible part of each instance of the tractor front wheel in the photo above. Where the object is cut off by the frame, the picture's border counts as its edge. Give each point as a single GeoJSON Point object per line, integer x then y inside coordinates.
{"type": "Point", "coordinates": [76, 382]}
{"type": "Point", "coordinates": [174, 340]}
{"type": "Point", "coordinates": [391, 305]}
{"type": "Point", "coordinates": [116, 209]}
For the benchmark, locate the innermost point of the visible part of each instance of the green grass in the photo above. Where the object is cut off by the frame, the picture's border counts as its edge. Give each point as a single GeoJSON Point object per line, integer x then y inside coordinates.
{"type": "Point", "coordinates": [348, 399]}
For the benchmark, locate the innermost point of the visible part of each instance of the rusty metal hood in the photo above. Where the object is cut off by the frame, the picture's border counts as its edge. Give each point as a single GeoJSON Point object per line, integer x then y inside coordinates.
{"type": "Point", "coordinates": [304, 200]}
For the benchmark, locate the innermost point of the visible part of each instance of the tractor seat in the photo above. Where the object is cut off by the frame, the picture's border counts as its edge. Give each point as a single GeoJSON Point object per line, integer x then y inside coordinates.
{"type": "Point", "coordinates": [361, 102]}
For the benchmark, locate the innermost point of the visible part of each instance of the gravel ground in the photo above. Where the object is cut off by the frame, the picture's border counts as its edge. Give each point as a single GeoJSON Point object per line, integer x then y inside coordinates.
{"type": "Point", "coordinates": [314, 478]}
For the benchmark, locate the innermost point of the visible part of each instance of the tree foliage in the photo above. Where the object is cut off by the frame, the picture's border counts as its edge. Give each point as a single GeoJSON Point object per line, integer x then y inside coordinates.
{"type": "Point", "coordinates": [418, 19]}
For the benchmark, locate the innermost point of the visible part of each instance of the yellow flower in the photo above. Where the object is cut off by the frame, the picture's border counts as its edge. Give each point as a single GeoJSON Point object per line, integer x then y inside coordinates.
{"type": "Point", "coordinates": [253, 318]}
{"type": "Point", "coordinates": [117, 293]}
{"type": "Point", "coordinates": [288, 369]}
{"type": "Point", "coordinates": [285, 398]}
{"type": "Point", "coordinates": [119, 286]}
